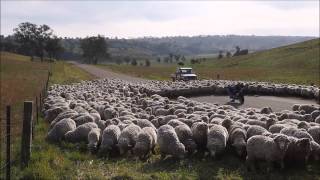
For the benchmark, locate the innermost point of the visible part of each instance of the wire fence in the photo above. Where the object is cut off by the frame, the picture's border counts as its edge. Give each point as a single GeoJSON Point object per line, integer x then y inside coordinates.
{"type": "Point", "coordinates": [31, 114]}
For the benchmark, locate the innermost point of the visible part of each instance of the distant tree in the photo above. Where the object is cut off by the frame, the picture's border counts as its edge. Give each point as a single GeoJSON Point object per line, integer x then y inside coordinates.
{"type": "Point", "coordinates": [192, 61]}
{"type": "Point", "coordinates": [53, 47]}
{"type": "Point", "coordinates": [177, 57]}
{"type": "Point", "coordinates": [237, 49]}
{"type": "Point", "coordinates": [220, 55]}
{"type": "Point", "coordinates": [228, 54]}
{"type": "Point", "coordinates": [171, 57]}
{"type": "Point", "coordinates": [180, 63]}
{"type": "Point", "coordinates": [183, 58]}
{"type": "Point", "coordinates": [94, 48]}
{"type": "Point", "coordinates": [127, 59]}
{"type": "Point", "coordinates": [134, 62]}
{"type": "Point", "coordinates": [140, 64]}
{"type": "Point", "coordinates": [166, 59]}
{"type": "Point", "coordinates": [148, 62]}
{"type": "Point", "coordinates": [159, 60]}
{"type": "Point", "coordinates": [33, 38]}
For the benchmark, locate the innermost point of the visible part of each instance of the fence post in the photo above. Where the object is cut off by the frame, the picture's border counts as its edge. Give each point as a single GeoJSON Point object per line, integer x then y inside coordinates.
{"type": "Point", "coordinates": [40, 102]}
{"type": "Point", "coordinates": [8, 172]}
{"type": "Point", "coordinates": [37, 109]}
{"type": "Point", "coordinates": [26, 134]}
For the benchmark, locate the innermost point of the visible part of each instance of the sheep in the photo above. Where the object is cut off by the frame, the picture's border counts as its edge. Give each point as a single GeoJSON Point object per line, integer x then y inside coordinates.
{"type": "Point", "coordinates": [315, 133]}
{"type": "Point", "coordinates": [237, 139]}
{"type": "Point", "coordinates": [80, 134]}
{"type": "Point", "coordinates": [83, 118]}
{"type": "Point", "coordinates": [200, 133]}
{"type": "Point", "coordinates": [317, 120]}
{"type": "Point", "coordinates": [185, 136]}
{"type": "Point", "coordinates": [53, 112]}
{"type": "Point", "coordinates": [144, 123]}
{"type": "Point", "coordinates": [237, 136]}
{"type": "Point", "coordinates": [308, 108]}
{"type": "Point", "coordinates": [60, 129]}
{"type": "Point", "coordinates": [127, 138]}
{"type": "Point", "coordinates": [93, 139]}
{"type": "Point", "coordinates": [146, 142]}
{"type": "Point", "coordinates": [217, 140]}
{"type": "Point", "coordinates": [294, 132]}
{"type": "Point", "coordinates": [109, 139]}
{"type": "Point", "coordinates": [266, 148]}
{"type": "Point", "coordinates": [175, 122]}
{"type": "Point", "coordinates": [299, 150]}
{"type": "Point", "coordinates": [315, 114]}
{"type": "Point", "coordinates": [257, 130]}
{"type": "Point", "coordinates": [315, 151]}
{"type": "Point", "coordinates": [169, 143]}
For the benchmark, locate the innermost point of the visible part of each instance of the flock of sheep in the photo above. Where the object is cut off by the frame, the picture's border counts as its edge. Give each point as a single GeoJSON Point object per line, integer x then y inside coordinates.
{"type": "Point", "coordinates": [218, 87]}
{"type": "Point", "coordinates": [115, 117]}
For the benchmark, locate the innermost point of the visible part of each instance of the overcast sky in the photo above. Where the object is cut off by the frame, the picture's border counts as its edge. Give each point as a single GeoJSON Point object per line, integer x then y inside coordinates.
{"type": "Point", "coordinates": [130, 19]}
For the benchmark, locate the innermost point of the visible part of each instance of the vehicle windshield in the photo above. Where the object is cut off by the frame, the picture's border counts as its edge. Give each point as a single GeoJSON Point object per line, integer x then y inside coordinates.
{"type": "Point", "coordinates": [186, 71]}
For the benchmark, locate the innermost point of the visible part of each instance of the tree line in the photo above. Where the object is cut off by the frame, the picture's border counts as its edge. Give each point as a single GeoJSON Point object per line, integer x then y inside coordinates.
{"type": "Point", "coordinates": [40, 41]}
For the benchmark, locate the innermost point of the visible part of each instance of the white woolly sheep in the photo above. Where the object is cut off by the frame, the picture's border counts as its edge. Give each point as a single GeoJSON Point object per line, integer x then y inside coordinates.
{"type": "Point", "coordinates": [315, 133]}
{"type": "Point", "coordinates": [186, 138]}
{"type": "Point", "coordinates": [299, 150]}
{"type": "Point", "coordinates": [93, 139]}
{"type": "Point", "coordinates": [266, 148]}
{"type": "Point", "coordinates": [127, 138]}
{"type": "Point", "coordinates": [217, 140]}
{"type": "Point", "coordinates": [109, 139]}
{"type": "Point", "coordinates": [169, 143]}
{"type": "Point", "coordinates": [200, 134]}
{"type": "Point", "coordinates": [257, 130]}
{"type": "Point", "coordinates": [80, 134]}
{"type": "Point", "coordinates": [60, 129]}
{"type": "Point", "coordinates": [146, 142]}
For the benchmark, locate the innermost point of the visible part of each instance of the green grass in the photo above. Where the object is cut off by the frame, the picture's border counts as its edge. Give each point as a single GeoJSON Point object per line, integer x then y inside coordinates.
{"type": "Point", "coordinates": [298, 63]}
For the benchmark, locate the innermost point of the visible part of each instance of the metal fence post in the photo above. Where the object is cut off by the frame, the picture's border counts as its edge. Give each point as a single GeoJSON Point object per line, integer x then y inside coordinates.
{"type": "Point", "coordinates": [26, 134]}
{"type": "Point", "coordinates": [8, 151]}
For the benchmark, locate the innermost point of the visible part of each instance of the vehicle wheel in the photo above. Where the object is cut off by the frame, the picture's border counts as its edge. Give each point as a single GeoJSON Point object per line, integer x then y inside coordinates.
{"type": "Point", "coordinates": [241, 99]}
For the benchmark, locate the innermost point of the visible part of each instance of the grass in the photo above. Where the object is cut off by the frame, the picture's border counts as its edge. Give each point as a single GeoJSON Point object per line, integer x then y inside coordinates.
{"type": "Point", "coordinates": [73, 161]}
{"type": "Point", "coordinates": [298, 63]}
{"type": "Point", "coordinates": [21, 80]}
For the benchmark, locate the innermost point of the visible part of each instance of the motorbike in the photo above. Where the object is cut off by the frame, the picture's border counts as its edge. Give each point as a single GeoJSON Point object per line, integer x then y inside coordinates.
{"type": "Point", "coordinates": [236, 95]}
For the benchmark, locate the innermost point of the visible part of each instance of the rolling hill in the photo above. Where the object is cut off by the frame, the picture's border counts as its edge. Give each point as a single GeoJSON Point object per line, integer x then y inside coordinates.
{"type": "Point", "coordinates": [296, 63]}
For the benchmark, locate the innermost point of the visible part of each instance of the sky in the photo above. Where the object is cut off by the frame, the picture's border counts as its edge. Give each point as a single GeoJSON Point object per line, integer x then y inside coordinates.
{"type": "Point", "coordinates": [131, 19]}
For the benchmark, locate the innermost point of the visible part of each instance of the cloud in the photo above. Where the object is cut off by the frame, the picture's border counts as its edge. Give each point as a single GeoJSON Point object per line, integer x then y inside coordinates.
{"type": "Point", "coordinates": [164, 18]}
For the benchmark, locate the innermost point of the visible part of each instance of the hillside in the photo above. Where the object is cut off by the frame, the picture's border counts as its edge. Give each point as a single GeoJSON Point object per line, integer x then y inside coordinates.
{"type": "Point", "coordinates": [150, 47]}
{"type": "Point", "coordinates": [297, 63]}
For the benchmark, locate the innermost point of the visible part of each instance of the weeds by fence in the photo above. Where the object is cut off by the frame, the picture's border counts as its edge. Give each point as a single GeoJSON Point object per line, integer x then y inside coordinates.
{"type": "Point", "coordinates": [31, 111]}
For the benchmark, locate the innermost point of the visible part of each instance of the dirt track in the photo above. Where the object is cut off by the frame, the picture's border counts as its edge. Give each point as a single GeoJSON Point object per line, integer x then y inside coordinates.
{"type": "Point", "coordinates": [276, 103]}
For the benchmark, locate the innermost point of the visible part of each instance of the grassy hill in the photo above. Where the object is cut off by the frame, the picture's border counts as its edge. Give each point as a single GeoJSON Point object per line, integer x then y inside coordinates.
{"type": "Point", "coordinates": [297, 63]}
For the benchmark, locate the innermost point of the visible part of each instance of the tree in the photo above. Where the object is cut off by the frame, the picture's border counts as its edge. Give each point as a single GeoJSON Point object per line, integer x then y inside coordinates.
{"type": "Point", "coordinates": [134, 62]}
{"type": "Point", "coordinates": [127, 59]}
{"type": "Point", "coordinates": [177, 57]}
{"type": "Point", "coordinates": [148, 62]}
{"type": "Point", "coordinates": [220, 55]}
{"type": "Point", "coordinates": [159, 60]}
{"type": "Point", "coordinates": [228, 54]}
{"type": "Point", "coordinates": [53, 47]}
{"type": "Point", "coordinates": [180, 63]}
{"type": "Point", "coordinates": [32, 38]}
{"type": "Point", "coordinates": [183, 58]}
{"type": "Point", "coordinates": [94, 49]}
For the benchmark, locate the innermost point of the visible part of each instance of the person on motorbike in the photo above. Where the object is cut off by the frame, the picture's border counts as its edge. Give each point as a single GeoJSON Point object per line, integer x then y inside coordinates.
{"type": "Point", "coordinates": [236, 92]}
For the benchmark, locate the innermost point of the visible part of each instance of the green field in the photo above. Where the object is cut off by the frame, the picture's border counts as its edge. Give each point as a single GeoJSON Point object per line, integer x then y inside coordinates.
{"type": "Point", "coordinates": [73, 161]}
{"type": "Point", "coordinates": [298, 63]}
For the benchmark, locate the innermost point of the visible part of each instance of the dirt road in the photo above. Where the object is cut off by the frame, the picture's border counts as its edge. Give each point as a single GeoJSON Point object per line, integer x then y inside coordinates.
{"type": "Point", "coordinates": [102, 73]}
{"type": "Point", "coordinates": [276, 103]}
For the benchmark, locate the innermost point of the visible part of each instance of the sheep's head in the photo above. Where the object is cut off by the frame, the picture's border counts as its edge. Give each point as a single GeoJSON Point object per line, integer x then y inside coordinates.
{"type": "Point", "coordinates": [180, 151]}
{"type": "Point", "coordinates": [282, 142]}
{"type": "Point", "coordinates": [227, 123]}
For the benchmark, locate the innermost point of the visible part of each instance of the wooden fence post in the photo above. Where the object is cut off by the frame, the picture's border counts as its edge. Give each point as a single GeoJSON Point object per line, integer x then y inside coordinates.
{"type": "Point", "coordinates": [37, 109]}
{"type": "Point", "coordinates": [40, 102]}
{"type": "Point", "coordinates": [8, 151]}
{"type": "Point", "coordinates": [26, 134]}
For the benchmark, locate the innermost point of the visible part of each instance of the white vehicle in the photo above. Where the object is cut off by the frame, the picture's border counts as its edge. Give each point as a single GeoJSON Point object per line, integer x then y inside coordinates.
{"type": "Point", "coordinates": [184, 74]}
